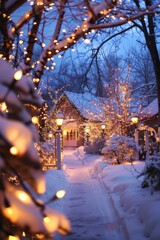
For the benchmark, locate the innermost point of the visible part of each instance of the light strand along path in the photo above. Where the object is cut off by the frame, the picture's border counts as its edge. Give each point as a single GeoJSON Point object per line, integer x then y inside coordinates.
{"type": "Point", "coordinates": [87, 205]}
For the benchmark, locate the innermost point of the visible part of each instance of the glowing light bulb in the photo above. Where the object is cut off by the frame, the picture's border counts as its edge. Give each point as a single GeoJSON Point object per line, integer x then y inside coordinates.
{"type": "Point", "coordinates": [13, 30]}
{"type": "Point", "coordinates": [23, 196]}
{"type": "Point", "coordinates": [13, 238]}
{"type": "Point", "coordinates": [18, 75]}
{"type": "Point", "coordinates": [60, 194]}
{"type": "Point", "coordinates": [20, 41]}
{"type": "Point", "coordinates": [35, 120]}
{"type": "Point", "coordinates": [8, 211]}
{"type": "Point", "coordinates": [35, 79]}
{"type": "Point", "coordinates": [46, 219]}
{"type": "Point", "coordinates": [87, 40]}
{"type": "Point", "coordinates": [3, 106]}
{"type": "Point", "coordinates": [13, 150]}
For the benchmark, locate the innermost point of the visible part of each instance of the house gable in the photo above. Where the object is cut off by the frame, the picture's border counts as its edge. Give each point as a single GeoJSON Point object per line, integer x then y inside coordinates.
{"type": "Point", "coordinates": [87, 105]}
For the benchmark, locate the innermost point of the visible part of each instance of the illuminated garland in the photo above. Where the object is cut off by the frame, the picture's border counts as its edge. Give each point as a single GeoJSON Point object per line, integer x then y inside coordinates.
{"type": "Point", "coordinates": [21, 211]}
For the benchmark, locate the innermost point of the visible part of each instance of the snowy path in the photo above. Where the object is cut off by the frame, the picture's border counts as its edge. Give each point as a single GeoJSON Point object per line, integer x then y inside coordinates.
{"type": "Point", "coordinates": [88, 205]}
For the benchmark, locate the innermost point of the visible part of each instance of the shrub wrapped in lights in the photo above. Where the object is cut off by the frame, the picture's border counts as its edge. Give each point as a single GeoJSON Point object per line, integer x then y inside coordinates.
{"type": "Point", "coordinates": [46, 151]}
{"type": "Point", "coordinates": [22, 179]}
{"type": "Point", "coordinates": [119, 149]}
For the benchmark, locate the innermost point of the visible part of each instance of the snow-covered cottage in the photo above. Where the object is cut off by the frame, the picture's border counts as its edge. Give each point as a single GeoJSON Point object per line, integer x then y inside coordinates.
{"type": "Point", "coordinates": [149, 114]}
{"type": "Point", "coordinates": [80, 111]}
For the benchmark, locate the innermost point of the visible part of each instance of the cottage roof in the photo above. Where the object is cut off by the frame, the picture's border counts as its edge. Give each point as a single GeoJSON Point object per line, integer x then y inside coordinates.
{"type": "Point", "coordinates": [89, 106]}
{"type": "Point", "coordinates": [151, 109]}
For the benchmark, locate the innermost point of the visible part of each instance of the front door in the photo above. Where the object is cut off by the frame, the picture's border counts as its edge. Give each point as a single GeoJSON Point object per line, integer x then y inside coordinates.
{"type": "Point", "coordinates": [70, 134]}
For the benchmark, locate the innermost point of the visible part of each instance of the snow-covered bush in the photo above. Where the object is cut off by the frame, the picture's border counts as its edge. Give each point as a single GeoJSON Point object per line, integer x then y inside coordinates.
{"type": "Point", "coordinates": [151, 173]}
{"type": "Point", "coordinates": [119, 149]}
{"type": "Point", "coordinates": [80, 153]}
{"type": "Point", "coordinates": [95, 147]}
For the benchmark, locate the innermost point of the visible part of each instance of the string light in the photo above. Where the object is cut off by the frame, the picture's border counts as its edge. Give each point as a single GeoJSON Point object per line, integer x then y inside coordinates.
{"type": "Point", "coordinates": [86, 40]}
{"type": "Point", "coordinates": [3, 106]}
{"type": "Point", "coordinates": [23, 196]}
{"type": "Point", "coordinates": [14, 150]}
{"type": "Point", "coordinates": [60, 194]}
{"type": "Point", "coordinates": [18, 75]}
{"type": "Point", "coordinates": [46, 219]}
{"type": "Point", "coordinates": [35, 120]}
{"type": "Point", "coordinates": [13, 237]}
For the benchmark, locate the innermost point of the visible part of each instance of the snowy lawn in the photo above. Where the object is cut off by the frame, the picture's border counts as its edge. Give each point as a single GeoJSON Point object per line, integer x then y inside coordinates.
{"type": "Point", "coordinates": [136, 207]}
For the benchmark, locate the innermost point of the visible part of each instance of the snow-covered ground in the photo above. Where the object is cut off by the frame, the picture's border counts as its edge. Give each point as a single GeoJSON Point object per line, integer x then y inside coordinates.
{"type": "Point", "coordinates": [104, 202]}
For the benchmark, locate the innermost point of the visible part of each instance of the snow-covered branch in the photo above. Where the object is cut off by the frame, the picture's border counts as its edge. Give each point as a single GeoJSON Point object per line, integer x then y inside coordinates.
{"type": "Point", "coordinates": [20, 169]}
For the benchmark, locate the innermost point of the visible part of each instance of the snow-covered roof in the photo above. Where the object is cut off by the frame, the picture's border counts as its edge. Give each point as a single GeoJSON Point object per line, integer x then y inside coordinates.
{"type": "Point", "coordinates": [151, 109]}
{"type": "Point", "coordinates": [89, 106]}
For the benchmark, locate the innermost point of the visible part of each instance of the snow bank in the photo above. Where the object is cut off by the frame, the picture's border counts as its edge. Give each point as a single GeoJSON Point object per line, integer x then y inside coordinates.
{"type": "Point", "coordinates": [97, 169]}
{"type": "Point", "coordinates": [138, 209]}
{"type": "Point", "coordinates": [80, 153]}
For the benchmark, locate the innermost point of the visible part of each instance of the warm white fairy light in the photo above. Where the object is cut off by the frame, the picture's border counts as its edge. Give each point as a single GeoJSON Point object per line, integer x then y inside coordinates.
{"type": "Point", "coordinates": [18, 75]}
{"type": "Point", "coordinates": [49, 52]}
{"type": "Point", "coordinates": [24, 197]}
{"type": "Point", "coordinates": [13, 30]}
{"type": "Point", "coordinates": [13, 237]}
{"type": "Point", "coordinates": [13, 150]}
{"type": "Point", "coordinates": [8, 211]}
{"type": "Point", "coordinates": [21, 33]}
{"type": "Point", "coordinates": [86, 40]}
{"type": "Point", "coordinates": [35, 120]}
{"type": "Point", "coordinates": [46, 219]}
{"type": "Point", "coordinates": [20, 42]}
{"type": "Point", "coordinates": [60, 194]}
{"type": "Point", "coordinates": [27, 15]}
{"type": "Point", "coordinates": [3, 107]}
{"type": "Point", "coordinates": [36, 80]}
{"type": "Point", "coordinates": [13, 46]}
